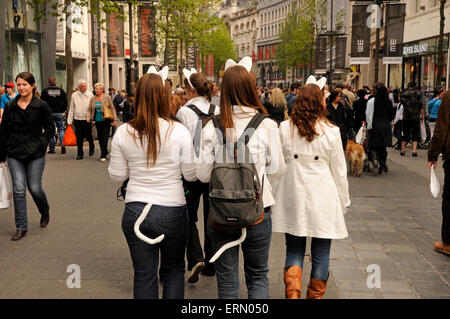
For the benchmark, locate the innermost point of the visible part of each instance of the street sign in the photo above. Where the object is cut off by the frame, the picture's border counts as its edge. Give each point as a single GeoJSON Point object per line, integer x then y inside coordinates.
{"type": "Point", "coordinates": [360, 60]}
{"type": "Point", "coordinates": [320, 71]}
{"type": "Point", "coordinates": [393, 60]}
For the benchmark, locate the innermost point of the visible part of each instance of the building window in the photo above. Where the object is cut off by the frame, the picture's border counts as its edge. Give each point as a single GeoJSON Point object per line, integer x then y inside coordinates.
{"type": "Point", "coordinates": [417, 6]}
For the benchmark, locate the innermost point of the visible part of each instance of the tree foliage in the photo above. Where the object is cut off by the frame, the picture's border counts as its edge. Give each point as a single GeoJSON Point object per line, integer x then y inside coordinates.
{"type": "Point", "coordinates": [298, 33]}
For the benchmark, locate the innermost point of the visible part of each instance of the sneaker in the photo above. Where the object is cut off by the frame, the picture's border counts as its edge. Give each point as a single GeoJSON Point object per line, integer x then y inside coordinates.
{"type": "Point", "coordinates": [103, 159]}
{"type": "Point", "coordinates": [414, 154]}
{"type": "Point", "coordinates": [442, 248]}
{"type": "Point", "coordinates": [402, 153]}
{"type": "Point", "coordinates": [196, 270]}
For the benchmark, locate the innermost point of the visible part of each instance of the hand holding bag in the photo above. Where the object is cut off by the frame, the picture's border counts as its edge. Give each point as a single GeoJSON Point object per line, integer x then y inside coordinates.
{"type": "Point", "coordinates": [6, 195]}
{"type": "Point", "coordinates": [435, 187]}
{"type": "Point", "coordinates": [70, 138]}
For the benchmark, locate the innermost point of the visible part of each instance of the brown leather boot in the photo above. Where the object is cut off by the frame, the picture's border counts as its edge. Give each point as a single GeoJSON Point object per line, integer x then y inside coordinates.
{"type": "Point", "coordinates": [293, 282]}
{"type": "Point", "coordinates": [316, 288]}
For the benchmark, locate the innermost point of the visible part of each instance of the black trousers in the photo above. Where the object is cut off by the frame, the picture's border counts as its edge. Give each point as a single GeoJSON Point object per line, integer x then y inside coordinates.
{"type": "Point", "coordinates": [83, 130]}
{"type": "Point", "coordinates": [194, 251]}
{"type": "Point", "coordinates": [103, 128]}
{"type": "Point", "coordinates": [445, 231]}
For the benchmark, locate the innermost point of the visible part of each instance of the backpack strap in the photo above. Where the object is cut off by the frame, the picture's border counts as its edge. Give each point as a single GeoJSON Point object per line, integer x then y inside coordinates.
{"type": "Point", "coordinates": [212, 109]}
{"type": "Point", "coordinates": [196, 110]}
{"type": "Point", "coordinates": [254, 123]}
{"type": "Point", "coordinates": [219, 128]}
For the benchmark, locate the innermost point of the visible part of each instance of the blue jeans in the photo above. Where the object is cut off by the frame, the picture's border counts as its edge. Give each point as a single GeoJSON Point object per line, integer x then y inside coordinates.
{"type": "Point", "coordinates": [320, 254]}
{"type": "Point", "coordinates": [58, 118]}
{"type": "Point", "coordinates": [25, 174]}
{"type": "Point", "coordinates": [173, 223]}
{"type": "Point", "coordinates": [256, 255]}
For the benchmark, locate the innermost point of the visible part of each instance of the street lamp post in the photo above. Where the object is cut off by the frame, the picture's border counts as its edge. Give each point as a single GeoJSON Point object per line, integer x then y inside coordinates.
{"type": "Point", "coordinates": [131, 34]}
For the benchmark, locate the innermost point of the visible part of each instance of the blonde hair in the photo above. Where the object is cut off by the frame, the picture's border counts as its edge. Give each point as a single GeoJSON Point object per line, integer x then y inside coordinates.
{"type": "Point", "coordinates": [277, 98]}
{"type": "Point", "coordinates": [100, 85]}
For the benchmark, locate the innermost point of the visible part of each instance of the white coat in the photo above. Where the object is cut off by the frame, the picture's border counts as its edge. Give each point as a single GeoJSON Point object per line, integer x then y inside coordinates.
{"type": "Point", "coordinates": [313, 193]}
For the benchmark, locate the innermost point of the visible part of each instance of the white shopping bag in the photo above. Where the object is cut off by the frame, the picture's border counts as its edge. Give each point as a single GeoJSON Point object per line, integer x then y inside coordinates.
{"type": "Point", "coordinates": [423, 132]}
{"type": "Point", "coordinates": [5, 187]}
{"type": "Point", "coordinates": [435, 187]}
{"type": "Point", "coordinates": [361, 136]}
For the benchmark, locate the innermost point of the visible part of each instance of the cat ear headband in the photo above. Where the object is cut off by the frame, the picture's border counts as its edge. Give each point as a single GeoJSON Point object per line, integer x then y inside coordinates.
{"type": "Point", "coordinates": [320, 83]}
{"type": "Point", "coordinates": [188, 74]}
{"type": "Point", "coordinates": [163, 73]}
{"type": "Point", "coordinates": [246, 62]}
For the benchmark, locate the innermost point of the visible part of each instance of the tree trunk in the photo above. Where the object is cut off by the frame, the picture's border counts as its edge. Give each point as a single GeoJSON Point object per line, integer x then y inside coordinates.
{"type": "Point", "coordinates": [166, 41]}
{"type": "Point", "coordinates": [441, 44]}
{"type": "Point", "coordinates": [68, 49]}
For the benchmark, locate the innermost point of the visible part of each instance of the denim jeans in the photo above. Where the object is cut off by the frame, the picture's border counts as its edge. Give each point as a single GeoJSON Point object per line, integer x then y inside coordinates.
{"type": "Point", "coordinates": [320, 254]}
{"type": "Point", "coordinates": [25, 174]}
{"type": "Point", "coordinates": [255, 249]}
{"type": "Point", "coordinates": [173, 223]}
{"type": "Point", "coordinates": [58, 118]}
{"type": "Point", "coordinates": [194, 252]}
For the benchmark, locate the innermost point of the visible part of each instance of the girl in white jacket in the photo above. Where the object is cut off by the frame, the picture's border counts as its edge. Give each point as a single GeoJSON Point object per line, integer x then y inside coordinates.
{"type": "Point", "coordinates": [313, 193]}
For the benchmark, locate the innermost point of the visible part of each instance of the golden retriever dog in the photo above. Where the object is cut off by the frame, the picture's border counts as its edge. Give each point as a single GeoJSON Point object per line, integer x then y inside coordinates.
{"type": "Point", "coordinates": [355, 155]}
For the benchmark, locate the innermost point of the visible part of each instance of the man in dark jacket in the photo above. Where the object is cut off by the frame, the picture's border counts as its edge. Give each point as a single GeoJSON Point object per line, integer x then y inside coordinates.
{"type": "Point", "coordinates": [292, 96]}
{"type": "Point", "coordinates": [412, 114]}
{"type": "Point", "coordinates": [57, 101]}
{"type": "Point", "coordinates": [440, 144]}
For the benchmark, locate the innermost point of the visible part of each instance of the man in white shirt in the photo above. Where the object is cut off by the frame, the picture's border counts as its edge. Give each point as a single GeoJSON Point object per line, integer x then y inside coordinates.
{"type": "Point", "coordinates": [79, 104]}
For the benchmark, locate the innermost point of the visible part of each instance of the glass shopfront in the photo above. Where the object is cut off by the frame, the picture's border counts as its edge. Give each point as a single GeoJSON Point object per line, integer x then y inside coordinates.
{"type": "Point", "coordinates": [23, 44]}
{"type": "Point", "coordinates": [420, 64]}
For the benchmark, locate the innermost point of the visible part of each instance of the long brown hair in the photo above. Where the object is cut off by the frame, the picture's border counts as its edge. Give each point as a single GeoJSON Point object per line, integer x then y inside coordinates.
{"type": "Point", "coordinates": [151, 103]}
{"type": "Point", "coordinates": [238, 88]}
{"type": "Point", "coordinates": [308, 109]}
{"type": "Point", "coordinates": [202, 86]}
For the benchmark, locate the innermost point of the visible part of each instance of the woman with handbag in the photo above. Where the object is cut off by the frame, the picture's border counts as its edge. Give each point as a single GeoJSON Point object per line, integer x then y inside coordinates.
{"type": "Point", "coordinates": [102, 112]}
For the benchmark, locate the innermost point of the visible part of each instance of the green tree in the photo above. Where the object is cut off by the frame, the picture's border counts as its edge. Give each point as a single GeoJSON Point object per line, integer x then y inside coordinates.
{"type": "Point", "coordinates": [298, 34]}
{"type": "Point", "coordinates": [218, 43]}
{"type": "Point", "coordinates": [441, 43]}
{"type": "Point", "coordinates": [63, 10]}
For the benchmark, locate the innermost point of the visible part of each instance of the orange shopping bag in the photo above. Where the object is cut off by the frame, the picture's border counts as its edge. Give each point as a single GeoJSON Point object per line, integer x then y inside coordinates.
{"type": "Point", "coordinates": [69, 137]}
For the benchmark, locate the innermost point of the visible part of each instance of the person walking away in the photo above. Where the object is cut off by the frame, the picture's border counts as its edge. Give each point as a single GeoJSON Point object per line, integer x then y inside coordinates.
{"type": "Point", "coordinates": [175, 101]}
{"type": "Point", "coordinates": [154, 152]}
{"type": "Point", "coordinates": [315, 165]}
{"type": "Point", "coordinates": [2, 90]}
{"type": "Point", "coordinates": [25, 132]}
{"type": "Point", "coordinates": [290, 98]}
{"type": "Point", "coordinates": [413, 113]}
{"type": "Point", "coordinates": [398, 126]}
{"type": "Point", "coordinates": [276, 106]}
{"type": "Point", "coordinates": [10, 95]}
{"type": "Point", "coordinates": [57, 101]}
{"type": "Point", "coordinates": [379, 115]}
{"type": "Point", "coordinates": [359, 109]}
{"type": "Point", "coordinates": [128, 108]}
{"type": "Point", "coordinates": [199, 92]}
{"type": "Point", "coordinates": [215, 99]}
{"type": "Point", "coordinates": [433, 109]}
{"type": "Point", "coordinates": [79, 105]}
{"type": "Point", "coordinates": [440, 143]}
{"type": "Point", "coordinates": [239, 104]}
{"type": "Point", "coordinates": [338, 114]}
{"type": "Point", "coordinates": [96, 114]}
{"type": "Point", "coordinates": [350, 96]}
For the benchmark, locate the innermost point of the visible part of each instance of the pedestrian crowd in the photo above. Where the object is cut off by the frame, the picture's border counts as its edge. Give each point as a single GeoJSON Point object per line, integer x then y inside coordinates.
{"type": "Point", "coordinates": [261, 159]}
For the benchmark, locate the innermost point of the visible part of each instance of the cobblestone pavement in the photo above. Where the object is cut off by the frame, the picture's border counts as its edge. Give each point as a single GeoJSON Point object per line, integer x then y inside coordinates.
{"type": "Point", "coordinates": [392, 223]}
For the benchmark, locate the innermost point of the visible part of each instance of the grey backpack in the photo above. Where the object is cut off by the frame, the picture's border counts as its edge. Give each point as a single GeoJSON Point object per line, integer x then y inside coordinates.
{"type": "Point", "coordinates": [235, 191]}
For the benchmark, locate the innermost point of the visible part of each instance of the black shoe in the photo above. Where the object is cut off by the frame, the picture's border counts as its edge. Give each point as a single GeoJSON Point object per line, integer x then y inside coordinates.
{"type": "Point", "coordinates": [18, 235]}
{"type": "Point", "coordinates": [51, 152]}
{"type": "Point", "coordinates": [402, 153]}
{"type": "Point", "coordinates": [386, 169]}
{"type": "Point", "coordinates": [196, 270]}
{"type": "Point", "coordinates": [414, 154]}
{"type": "Point", "coordinates": [380, 170]}
{"type": "Point", "coordinates": [79, 157]}
{"type": "Point", "coordinates": [91, 152]}
{"type": "Point", "coordinates": [45, 219]}
{"type": "Point", "coordinates": [63, 150]}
